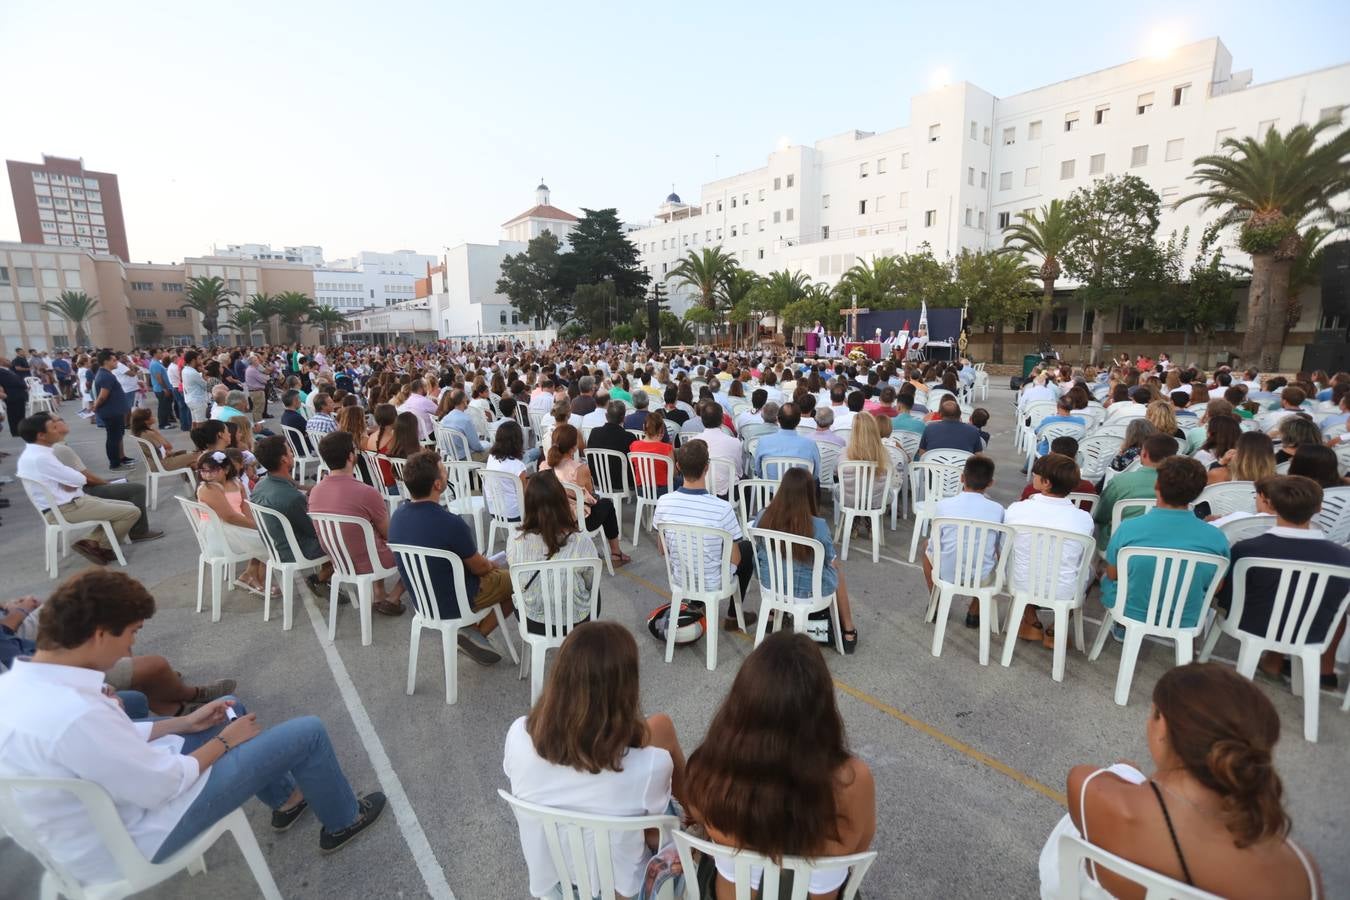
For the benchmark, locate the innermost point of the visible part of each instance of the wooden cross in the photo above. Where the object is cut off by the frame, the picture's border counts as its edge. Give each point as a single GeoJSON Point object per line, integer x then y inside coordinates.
{"type": "Point", "coordinates": [853, 312]}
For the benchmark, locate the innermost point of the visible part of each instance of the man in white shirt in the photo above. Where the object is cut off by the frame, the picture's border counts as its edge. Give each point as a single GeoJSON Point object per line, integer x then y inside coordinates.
{"type": "Point", "coordinates": [64, 486]}
{"type": "Point", "coordinates": [169, 779]}
{"type": "Point", "coordinates": [843, 416]}
{"type": "Point", "coordinates": [1054, 477]}
{"type": "Point", "coordinates": [691, 504]}
{"type": "Point", "coordinates": [976, 478]}
{"type": "Point", "coordinates": [420, 406]}
{"type": "Point", "coordinates": [720, 444]}
{"type": "Point", "coordinates": [751, 413]}
{"type": "Point", "coordinates": [596, 417]}
{"type": "Point", "coordinates": [1127, 409]}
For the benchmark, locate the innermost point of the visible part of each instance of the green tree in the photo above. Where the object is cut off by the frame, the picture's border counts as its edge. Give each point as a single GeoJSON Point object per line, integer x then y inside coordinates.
{"type": "Point", "coordinates": [265, 307]}
{"type": "Point", "coordinates": [598, 307]}
{"type": "Point", "coordinates": [1044, 235]}
{"type": "Point", "coordinates": [601, 250]}
{"type": "Point", "coordinates": [817, 304]}
{"type": "Point", "coordinates": [244, 321]}
{"type": "Point", "coordinates": [1195, 300]}
{"type": "Point", "coordinates": [328, 320]}
{"type": "Point", "coordinates": [872, 284]}
{"type": "Point", "coordinates": [706, 271]}
{"type": "Point", "coordinates": [673, 331]}
{"type": "Point", "coordinates": [208, 296]}
{"type": "Point", "coordinates": [294, 309]}
{"type": "Point", "coordinates": [998, 288]}
{"type": "Point", "coordinates": [149, 332]}
{"type": "Point", "coordinates": [1112, 250]}
{"type": "Point", "coordinates": [77, 308]}
{"type": "Point", "coordinates": [1271, 187]}
{"type": "Point", "coordinates": [531, 280]}
{"type": "Point", "coordinates": [737, 297]}
{"type": "Point", "coordinates": [920, 276]}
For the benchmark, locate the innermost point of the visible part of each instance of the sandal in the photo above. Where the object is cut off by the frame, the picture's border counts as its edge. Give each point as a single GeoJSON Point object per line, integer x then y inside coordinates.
{"type": "Point", "coordinates": [1048, 640]}
{"type": "Point", "coordinates": [1037, 632]}
{"type": "Point", "coordinates": [620, 559]}
{"type": "Point", "coordinates": [850, 636]}
{"type": "Point", "coordinates": [388, 608]}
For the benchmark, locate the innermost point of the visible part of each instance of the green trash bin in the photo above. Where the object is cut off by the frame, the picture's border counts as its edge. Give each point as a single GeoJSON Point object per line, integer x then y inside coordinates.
{"type": "Point", "coordinates": [1029, 362]}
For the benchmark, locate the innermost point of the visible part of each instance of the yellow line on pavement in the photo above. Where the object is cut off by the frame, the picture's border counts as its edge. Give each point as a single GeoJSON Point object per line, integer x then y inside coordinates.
{"type": "Point", "coordinates": [917, 724]}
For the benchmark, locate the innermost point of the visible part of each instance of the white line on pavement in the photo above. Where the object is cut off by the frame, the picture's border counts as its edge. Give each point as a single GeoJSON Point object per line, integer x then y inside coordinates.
{"type": "Point", "coordinates": [432, 873]}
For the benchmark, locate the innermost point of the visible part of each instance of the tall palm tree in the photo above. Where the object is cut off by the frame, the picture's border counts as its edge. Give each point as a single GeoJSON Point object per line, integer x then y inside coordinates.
{"type": "Point", "coordinates": [1272, 187]}
{"type": "Point", "coordinates": [706, 271]}
{"type": "Point", "coordinates": [294, 309]}
{"type": "Point", "coordinates": [244, 322]}
{"type": "Point", "coordinates": [1043, 234]}
{"type": "Point", "coordinates": [737, 293]}
{"type": "Point", "coordinates": [208, 296]}
{"type": "Point", "coordinates": [328, 320]}
{"type": "Point", "coordinates": [265, 307]}
{"type": "Point", "coordinates": [77, 308]}
{"type": "Point", "coordinates": [872, 283]}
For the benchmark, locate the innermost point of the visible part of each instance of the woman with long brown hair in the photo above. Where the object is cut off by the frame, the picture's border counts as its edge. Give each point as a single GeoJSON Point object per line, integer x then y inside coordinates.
{"type": "Point", "coordinates": [774, 774]}
{"type": "Point", "coordinates": [564, 460]}
{"type": "Point", "coordinates": [143, 427]}
{"type": "Point", "coordinates": [793, 510]}
{"type": "Point", "coordinates": [548, 530]}
{"type": "Point", "coordinates": [1251, 459]}
{"type": "Point", "coordinates": [1212, 814]}
{"type": "Point", "coordinates": [1221, 435]}
{"type": "Point", "coordinates": [586, 745]}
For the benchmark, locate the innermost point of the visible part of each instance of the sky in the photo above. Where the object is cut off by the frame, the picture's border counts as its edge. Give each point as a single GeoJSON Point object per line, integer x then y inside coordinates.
{"type": "Point", "coordinates": [421, 125]}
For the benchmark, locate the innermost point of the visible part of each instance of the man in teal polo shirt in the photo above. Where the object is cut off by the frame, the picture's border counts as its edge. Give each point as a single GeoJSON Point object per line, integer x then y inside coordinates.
{"type": "Point", "coordinates": [904, 419]}
{"type": "Point", "coordinates": [1136, 485]}
{"type": "Point", "coordinates": [1171, 525]}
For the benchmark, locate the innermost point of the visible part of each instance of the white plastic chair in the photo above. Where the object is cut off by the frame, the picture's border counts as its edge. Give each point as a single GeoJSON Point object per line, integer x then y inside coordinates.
{"type": "Point", "coordinates": [721, 476]}
{"type": "Point", "coordinates": [603, 465]}
{"type": "Point", "coordinates": [645, 466]}
{"type": "Point", "coordinates": [1046, 550]}
{"type": "Point", "coordinates": [137, 873]}
{"type": "Point", "coordinates": [1028, 420]}
{"type": "Point", "coordinates": [1227, 497]}
{"type": "Point", "coordinates": [747, 864]}
{"type": "Point", "coordinates": [776, 594]}
{"type": "Point", "coordinates": [155, 472]}
{"type": "Point", "coordinates": [1135, 506]}
{"type": "Point", "coordinates": [751, 497]}
{"type": "Point", "coordinates": [932, 482]}
{"type": "Point", "coordinates": [556, 579]}
{"type": "Point", "coordinates": [427, 613]}
{"type": "Point", "coordinates": [1333, 519]}
{"type": "Point", "coordinates": [580, 844]}
{"type": "Point", "coordinates": [285, 571]}
{"type": "Point", "coordinates": [204, 522]}
{"type": "Point", "coordinates": [1083, 500]}
{"type": "Point", "coordinates": [498, 489]}
{"type": "Point", "coordinates": [309, 457]}
{"type": "Point", "coordinates": [333, 532]}
{"type": "Point", "coordinates": [1301, 592]}
{"type": "Point", "coordinates": [1248, 527]}
{"type": "Point", "coordinates": [900, 478]}
{"type": "Point", "coordinates": [907, 441]}
{"type": "Point", "coordinates": [947, 457]}
{"type": "Point", "coordinates": [1174, 572]}
{"type": "Point", "coordinates": [57, 533]}
{"type": "Point", "coordinates": [453, 444]}
{"type": "Point", "coordinates": [1343, 458]}
{"type": "Point", "coordinates": [857, 481]}
{"type": "Point", "coordinates": [974, 542]}
{"type": "Point", "coordinates": [1074, 852]}
{"type": "Point", "coordinates": [459, 497]}
{"type": "Point", "coordinates": [830, 454]}
{"type": "Point", "coordinates": [688, 551]}
{"type": "Point", "coordinates": [773, 467]}
{"type": "Point", "coordinates": [38, 398]}
{"type": "Point", "coordinates": [375, 470]}
{"type": "Point", "coordinates": [598, 532]}
{"type": "Point", "coordinates": [982, 383]}
{"type": "Point", "coordinates": [1048, 434]}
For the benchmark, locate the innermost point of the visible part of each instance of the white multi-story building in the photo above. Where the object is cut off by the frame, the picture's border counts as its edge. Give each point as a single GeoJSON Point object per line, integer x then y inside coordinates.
{"type": "Point", "coordinates": [968, 162]}
{"type": "Point", "coordinates": [306, 254]}
{"type": "Point", "coordinates": [371, 280]}
{"type": "Point", "coordinates": [400, 262]}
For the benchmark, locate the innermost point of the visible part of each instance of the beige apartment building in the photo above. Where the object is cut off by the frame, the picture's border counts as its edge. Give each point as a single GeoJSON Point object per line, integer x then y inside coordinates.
{"type": "Point", "coordinates": [138, 303]}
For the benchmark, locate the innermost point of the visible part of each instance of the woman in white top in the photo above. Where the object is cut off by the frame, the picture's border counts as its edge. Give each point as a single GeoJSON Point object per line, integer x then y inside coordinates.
{"type": "Point", "coordinates": [548, 531]}
{"type": "Point", "coordinates": [586, 747]}
{"type": "Point", "coordinates": [774, 774]}
{"type": "Point", "coordinates": [1212, 815]}
{"type": "Point", "coordinates": [194, 387]}
{"type": "Point", "coordinates": [507, 454]}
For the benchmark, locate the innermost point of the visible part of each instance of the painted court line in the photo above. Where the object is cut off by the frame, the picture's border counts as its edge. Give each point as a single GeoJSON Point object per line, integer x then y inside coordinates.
{"type": "Point", "coordinates": [917, 724]}
{"type": "Point", "coordinates": [432, 873]}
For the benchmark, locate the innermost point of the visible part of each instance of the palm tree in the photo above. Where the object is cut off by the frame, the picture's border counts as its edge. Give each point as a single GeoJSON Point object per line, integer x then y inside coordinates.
{"type": "Point", "coordinates": [706, 271]}
{"type": "Point", "coordinates": [77, 308]}
{"type": "Point", "coordinates": [327, 319]}
{"type": "Point", "coordinates": [872, 284]}
{"type": "Point", "coordinates": [208, 296]}
{"type": "Point", "coordinates": [1272, 187]}
{"type": "Point", "coordinates": [244, 321]}
{"type": "Point", "coordinates": [294, 308]}
{"type": "Point", "coordinates": [1044, 234]}
{"type": "Point", "coordinates": [265, 307]}
{"type": "Point", "coordinates": [737, 294]}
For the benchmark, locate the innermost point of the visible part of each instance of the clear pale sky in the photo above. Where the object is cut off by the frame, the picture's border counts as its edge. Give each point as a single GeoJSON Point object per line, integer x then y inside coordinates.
{"type": "Point", "coordinates": [377, 126]}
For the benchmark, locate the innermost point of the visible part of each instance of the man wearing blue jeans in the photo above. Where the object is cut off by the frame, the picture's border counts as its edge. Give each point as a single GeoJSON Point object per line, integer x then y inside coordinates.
{"type": "Point", "coordinates": [111, 406]}
{"type": "Point", "coordinates": [170, 779]}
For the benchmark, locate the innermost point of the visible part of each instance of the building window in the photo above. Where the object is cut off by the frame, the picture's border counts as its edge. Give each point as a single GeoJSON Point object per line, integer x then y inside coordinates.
{"type": "Point", "coordinates": [175, 314]}
{"type": "Point", "coordinates": [1004, 218]}
{"type": "Point", "coordinates": [824, 201]}
{"type": "Point", "coordinates": [760, 253]}
{"type": "Point", "coordinates": [824, 236]}
{"type": "Point", "coordinates": [777, 216]}
{"type": "Point", "coordinates": [1059, 319]}
{"type": "Point", "coordinates": [934, 133]}
{"type": "Point", "coordinates": [880, 204]}
{"type": "Point", "coordinates": [931, 179]}
{"type": "Point", "coordinates": [981, 221]}
{"type": "Point", "coordinates": [881, 166]}
{"type": "Point", "coordinates": [1066, 169]}
{"type": "Point", "coordinates": [778, 184]}
{"type": "Point", "coordinates": [761, 224]}
{"type": "Point", "coordinates": [1174, 149]}
{"type": "Point", "coordinates": [1181, 93]}
{"type": "Point", "coordinates": [1033, 176]}
{"type": "Point", "coordinates": [1005, 181]}
{"type": "Point", "coordinates": [862, 207]}
{"type": "Point", "coordinates": [1131, 319]}
{"type": "Point", "coordinates": [733, 202]}
{"type": "Point", "coordinates": [745, 199]}
{"type": "Point", "coordinates": [1143, 104]}
{"type": "Point", "coordinates": [761, 195]}
{"type": "Point", "coordinates": [985, 135]}
{"type": "Point", "coordinates": [904, 200]}
{"type": "Point", "coordinates": [49, 278]}
{"type": "Point", "coordinates": [145, 313]}
{"type": "Point", "coordinates": [1097, 164]}
{"type": "Point", "coordinates": [974, 130]}
{"type": "Point", "coordinates": [929, 218]}
{"type": "Point", "coordinates": [1101, 114]}
{"type": "Point", "coordinates": [792, 179]}
{"type": "Point", "coordinates": [970, 217]}
{"type": "Point", "coordinates": [1330, 114]}
{"type": "Point", "coordinates": [1071, 121]}
{"type": "Point", "coordinates": [904, 159]}
{"type": "Point", "coordinates": [862, 170]}
{"type": "Point", "coordinates": [60, 342]}
{"type": "Point", "coordinates": [719, 205]}
{"type": "Point", "coordinates": [1009, 136]}
{"type": "Point", "coordinates": [1139, 156]}
{"type": "Point", "coordinates": [970, 175]}
{"type": "Point", "coordinates": [142, 285]}
{"type": "Point", "coordinates": [733, 230]}
{"type": "Point", "coordinates": [1222, 135]}
{"type": "Point", "coordinates": [1263, 127]}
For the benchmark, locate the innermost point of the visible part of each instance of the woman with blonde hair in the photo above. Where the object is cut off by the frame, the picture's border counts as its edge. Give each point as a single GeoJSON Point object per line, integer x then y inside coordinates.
{"type": "Point", "coordinates": [1251, 459]}
{"type": "Point", "coordinates": [1160, 416]}
{"type": "Point", "coordinates": [864, 445]}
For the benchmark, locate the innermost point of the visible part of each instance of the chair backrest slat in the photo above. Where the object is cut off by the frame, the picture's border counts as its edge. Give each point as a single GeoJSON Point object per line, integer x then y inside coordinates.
{"type": "Point", "coordinates": [334, 531]}
{"type": "Point", "coordinates": [1299, 594]}
{"type": "Point", "coordinates": [1174, 574]}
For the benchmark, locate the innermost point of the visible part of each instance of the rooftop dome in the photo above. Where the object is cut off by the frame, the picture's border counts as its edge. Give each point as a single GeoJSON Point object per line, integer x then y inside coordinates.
{"type": "Point", "coordinates": [673, 198]}
{"type": "Point", "coordinates": [542, 187]}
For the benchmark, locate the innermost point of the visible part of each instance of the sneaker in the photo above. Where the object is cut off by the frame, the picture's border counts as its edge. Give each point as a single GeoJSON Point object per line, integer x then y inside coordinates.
{"type": "Point", "coordinates": [283, 819]}
{"type": "Point", "coordinates": [224, 687]}
{"type": "Point", "coordinates": [371, 805]}
{"type": "Point", "coordinates": [477, 648]}
{"type": "Point", "coordinates": [148, 536]}
{"type": "Point", "coordinates": [1118, 633]}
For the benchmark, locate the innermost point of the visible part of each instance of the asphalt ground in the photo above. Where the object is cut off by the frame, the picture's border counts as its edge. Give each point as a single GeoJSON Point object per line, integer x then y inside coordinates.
{"type": "Point", "coordinates": [969, 760]}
